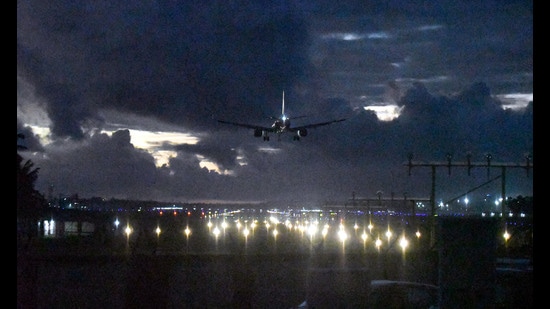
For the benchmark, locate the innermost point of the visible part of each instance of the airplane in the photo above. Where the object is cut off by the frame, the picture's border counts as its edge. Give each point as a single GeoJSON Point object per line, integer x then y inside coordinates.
{"type": "Point", "coordinates": [281, 125]}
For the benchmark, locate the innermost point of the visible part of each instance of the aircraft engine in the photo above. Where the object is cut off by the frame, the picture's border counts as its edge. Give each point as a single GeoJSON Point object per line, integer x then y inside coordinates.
{"type": "Point", "coordinates": [258, 132]}
{"type": "Point", "coordinates": [302, 132]}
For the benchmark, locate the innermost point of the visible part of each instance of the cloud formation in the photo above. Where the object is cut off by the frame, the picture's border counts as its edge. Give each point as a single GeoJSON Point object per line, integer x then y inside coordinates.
{"type": "Point", "coordinates": [85, 69]}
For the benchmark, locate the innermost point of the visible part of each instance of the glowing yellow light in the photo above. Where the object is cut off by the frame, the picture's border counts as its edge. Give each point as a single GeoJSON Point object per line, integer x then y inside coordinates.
{"type": "Point", "coordinates": [388, 234]}
{"type": "Point", "coordinates": [312, 230]}
{"type": "Point", "coordinates": [128, 230]}
{"type": "Point", "coordinates": [275, 232]}
{"type": "Point", "coordinates": [187, 231]}
{"type": "Point", "coordinates": [342, 235]}
{"type": "Point", "coordinates": [506, 236]}
{"type": "Point", "coordinates": [418, 234]}
{"type": "Point", "coordinates": [364, 236]}
{"type": "Point", "coordinates": [403, 242]}
{"type": "Point", "coordinates": [157, 231]}
{"type": "Point", "coordinates": [378, 243]}
{"type": "Point", "coordinates": [216, 231]}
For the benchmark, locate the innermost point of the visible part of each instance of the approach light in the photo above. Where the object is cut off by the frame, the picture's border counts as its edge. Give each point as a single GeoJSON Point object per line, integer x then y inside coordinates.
{"type": "Point", "coordinates": [403, 242]}
{"type": "Point", "coordinates": [388, 234]}
{"type": "Point", "coordinates": [364, 236]}
{"type": "Point", "coordinates": [324, 232]}
{"type": "Point", "coordinates": [342, 235]}
{"type": "Point", "coordinates": [216, 231]}
{"type": "Point", "coordinates": [378, 243]}
{"type": "Point", "coordinates": [506, 236]}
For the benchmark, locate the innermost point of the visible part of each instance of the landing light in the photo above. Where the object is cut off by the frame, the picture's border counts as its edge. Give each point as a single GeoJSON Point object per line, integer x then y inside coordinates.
{"type": "Point", "coordinates": [216, 231]}
{"type": "Point", "coordinates": [403, 242]}
{"type": "Point", "coordinates": [364, 236]}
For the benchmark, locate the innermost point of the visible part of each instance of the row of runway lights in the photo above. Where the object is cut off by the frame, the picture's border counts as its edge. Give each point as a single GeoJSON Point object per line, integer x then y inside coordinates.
{"type": "Point", "coordinates": [310, 228]}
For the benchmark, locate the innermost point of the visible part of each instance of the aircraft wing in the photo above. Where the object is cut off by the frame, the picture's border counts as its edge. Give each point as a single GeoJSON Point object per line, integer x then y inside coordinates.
{"type": "Point", "coordinates": [315, 125]}
{"type": "Point", "coordinates": [246, 125]}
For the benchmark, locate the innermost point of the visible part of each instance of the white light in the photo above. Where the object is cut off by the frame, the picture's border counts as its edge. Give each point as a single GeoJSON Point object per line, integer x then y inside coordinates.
{"type": "Point", "coordinates": [403, 242]}
{"type": "Point", "coordinates": [378, 243]}
{"type": "Point", "coordinates": [312, 229]}
{"type": "Point", "coordinates": [274, 220]}
{"type": "Point", "coordinates": [342, 235]}
{"type": "Point", "coordinates": [506, 235]}
{"type": "Point", "coordinates": [388, 234]}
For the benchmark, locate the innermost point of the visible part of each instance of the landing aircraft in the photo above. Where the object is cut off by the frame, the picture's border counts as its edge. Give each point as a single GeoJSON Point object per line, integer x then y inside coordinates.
{"type": "Point", "coordinates": [281, 125]}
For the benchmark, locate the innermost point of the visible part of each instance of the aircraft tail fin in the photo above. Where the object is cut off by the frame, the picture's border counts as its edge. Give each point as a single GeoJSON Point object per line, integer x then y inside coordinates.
{"type": "Point", "coordinates": [283, 106]}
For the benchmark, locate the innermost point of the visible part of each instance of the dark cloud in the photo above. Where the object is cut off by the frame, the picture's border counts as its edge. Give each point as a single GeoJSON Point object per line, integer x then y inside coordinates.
{"type": "Point", "coordinates": [179, 63]}
{"type": "Point", "coordinates": [182, 65]}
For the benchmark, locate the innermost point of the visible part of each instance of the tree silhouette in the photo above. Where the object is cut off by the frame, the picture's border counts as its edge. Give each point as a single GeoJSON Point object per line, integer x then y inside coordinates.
{"type": "Point", "coordinates": [30, 202]}
{"type": "Point", "coordinates": [521, 204]}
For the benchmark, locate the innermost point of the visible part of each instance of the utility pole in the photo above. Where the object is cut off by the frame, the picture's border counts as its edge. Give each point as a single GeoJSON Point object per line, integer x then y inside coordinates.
{"type": "Point", "coordinates": [469, 164]}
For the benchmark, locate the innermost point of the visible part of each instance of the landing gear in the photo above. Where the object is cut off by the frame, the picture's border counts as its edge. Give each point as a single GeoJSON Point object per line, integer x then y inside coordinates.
{"type": "Point", "coordinates": [296, 138]}
{"type": "Point", "coordinates": [266, 138]}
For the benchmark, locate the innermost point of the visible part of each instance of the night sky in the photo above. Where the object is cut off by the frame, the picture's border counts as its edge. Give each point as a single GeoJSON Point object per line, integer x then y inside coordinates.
{"type": "Point", "coordinates": [120, 100]}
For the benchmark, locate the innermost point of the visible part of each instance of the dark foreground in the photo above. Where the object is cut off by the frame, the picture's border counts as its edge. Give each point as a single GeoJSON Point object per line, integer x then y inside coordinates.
{"type": "Point", "coordinates": [209, 281]}
{"type": "Point", "coordinates": [98, 273]}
